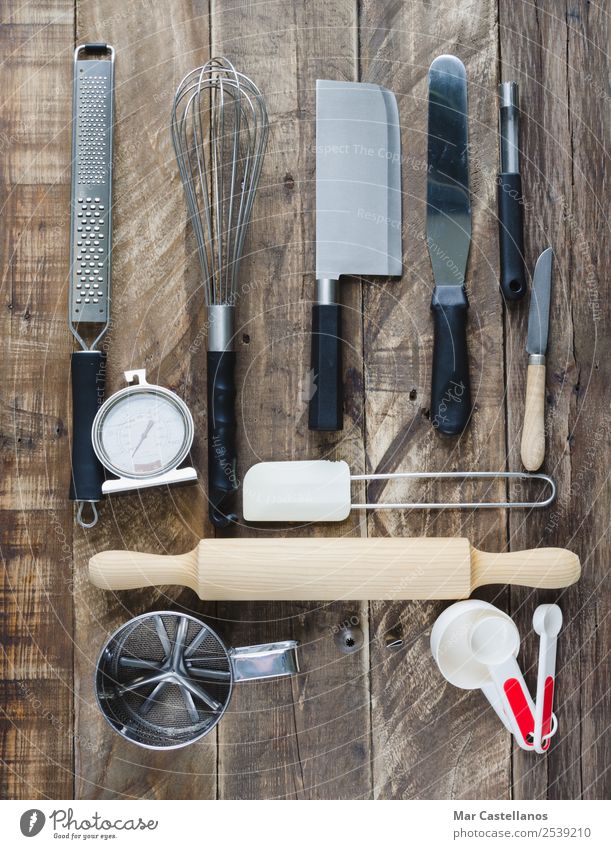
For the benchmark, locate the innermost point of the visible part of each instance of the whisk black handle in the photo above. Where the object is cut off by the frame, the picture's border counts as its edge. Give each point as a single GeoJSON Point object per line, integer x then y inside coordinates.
{"type": "Point", "coordinates": [222, 460]}
{"type": "Point", "coordinates": [327, 402]}
{"type": "Point", "coordinates": [88, 371]}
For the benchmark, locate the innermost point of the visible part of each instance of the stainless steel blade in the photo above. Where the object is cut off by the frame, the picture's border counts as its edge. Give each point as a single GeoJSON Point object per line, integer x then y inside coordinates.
{"type": "Point", "coordinates": [90, 242]}
{"type": "Point", "coordinates": [358, 180]}
{"type": "Point", "coordinates": [538, 314]}
{"type": "Point", "coordinates": [448, 211]}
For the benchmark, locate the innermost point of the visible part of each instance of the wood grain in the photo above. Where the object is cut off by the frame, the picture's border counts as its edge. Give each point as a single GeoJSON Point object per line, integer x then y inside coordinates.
{"type": "Point", "coordinates": [532, 445]}
{"type": "Point", "coordinates": [398, 43]}
{"type": "Point", "coordinates": [156, 314]}
{"type": "Point", "coordinates": [36, 722]}
{"type": "Point", "coordinates": [324, 734]}
{"type": "Point", "coordinates": [341, 568]}
{"type": "Point", "coordinates": [564, 115]}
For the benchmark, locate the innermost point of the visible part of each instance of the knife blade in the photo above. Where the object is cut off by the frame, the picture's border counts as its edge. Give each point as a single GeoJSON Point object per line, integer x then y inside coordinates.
{"type": "Point", "coordinates": [448, 233]}
{"type": "Point", "coordinates": [532, 448]}
{"type": "Point", "coordinates": [538, 313]}
{"type": "Point", "coordinates": [358, 218]}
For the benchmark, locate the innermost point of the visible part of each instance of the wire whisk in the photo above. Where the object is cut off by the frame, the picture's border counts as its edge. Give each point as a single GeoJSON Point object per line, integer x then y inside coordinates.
{"type": "Point", "coordinates": [219, 130]}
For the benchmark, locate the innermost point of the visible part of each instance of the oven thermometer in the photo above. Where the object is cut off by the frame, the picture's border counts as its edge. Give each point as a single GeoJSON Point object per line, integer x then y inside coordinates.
{"type": "Point", "coordinates": [142, 434]}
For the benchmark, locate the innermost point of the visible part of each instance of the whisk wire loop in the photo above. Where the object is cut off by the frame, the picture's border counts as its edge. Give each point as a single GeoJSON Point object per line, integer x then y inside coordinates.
{"type": "Point", "coordinates": [219, 130]}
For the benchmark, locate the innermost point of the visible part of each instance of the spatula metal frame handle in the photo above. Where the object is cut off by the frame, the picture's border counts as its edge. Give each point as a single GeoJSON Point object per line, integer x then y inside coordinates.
{"type": "Point", "coordinates": [450, 389]}
{"type": "Point", "coordinates": [327, 402]}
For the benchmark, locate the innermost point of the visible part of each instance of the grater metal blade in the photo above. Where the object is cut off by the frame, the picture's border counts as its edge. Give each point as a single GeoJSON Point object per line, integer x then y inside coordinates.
{"type": "Point", "coordinates": [90, 240]}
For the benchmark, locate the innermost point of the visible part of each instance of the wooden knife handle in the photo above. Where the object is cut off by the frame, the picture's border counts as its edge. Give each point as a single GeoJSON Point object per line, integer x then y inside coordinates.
{"type": "Point", "coordinates": [532, 449]}
{"type": "Point", "coordinates": [330, 569]}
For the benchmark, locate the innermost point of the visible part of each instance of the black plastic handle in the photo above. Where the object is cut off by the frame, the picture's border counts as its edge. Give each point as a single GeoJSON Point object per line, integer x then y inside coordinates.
{"type": "Point", "coordinates": [222, 461]}
{"type": "Point", "coordinates": [511, 236]}
{"type": "Point", "coordinates": [326, 410]}
{"type": "Point", "coordinates": [450, 390]}
{"type": "Point", "coordinates": [88, 371]}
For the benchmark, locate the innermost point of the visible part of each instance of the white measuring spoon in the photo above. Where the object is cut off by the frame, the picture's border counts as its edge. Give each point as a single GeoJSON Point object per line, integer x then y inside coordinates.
{"type": "Point", "coordinates": [495, 641]}
{"type": "Point", "coordinates": [547, 622]}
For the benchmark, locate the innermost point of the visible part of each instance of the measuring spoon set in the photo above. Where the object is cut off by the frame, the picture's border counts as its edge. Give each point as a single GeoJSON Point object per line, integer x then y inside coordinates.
{"type": "Point", "coordinates": [475, 646]}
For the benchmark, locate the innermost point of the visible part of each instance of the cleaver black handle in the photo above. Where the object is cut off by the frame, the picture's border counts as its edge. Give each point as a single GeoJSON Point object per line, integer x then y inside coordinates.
{"type": "Point", "coordinates": [511, 236]}
{"type": "Point", "coordinates": [450, 389]}
{"type": "Point", "coordinates": [327, 402]}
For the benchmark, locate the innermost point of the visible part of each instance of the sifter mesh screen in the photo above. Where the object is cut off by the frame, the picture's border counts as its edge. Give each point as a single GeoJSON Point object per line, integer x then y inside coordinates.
{"type": "Point", "coordinates": [164, 679]}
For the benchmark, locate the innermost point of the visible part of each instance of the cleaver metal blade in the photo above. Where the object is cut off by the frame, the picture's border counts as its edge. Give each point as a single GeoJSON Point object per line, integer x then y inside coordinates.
{"type": "Point", "coordinates": [358, 180]}
{"type": "Point", "coordinates": [358, 219]}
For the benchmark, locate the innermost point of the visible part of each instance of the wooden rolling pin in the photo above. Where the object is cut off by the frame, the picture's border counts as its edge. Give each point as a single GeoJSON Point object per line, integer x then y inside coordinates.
{"type": "Point", "coordinates": [335, 568]}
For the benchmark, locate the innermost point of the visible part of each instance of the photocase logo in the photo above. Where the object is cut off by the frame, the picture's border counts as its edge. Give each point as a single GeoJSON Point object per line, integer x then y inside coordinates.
{"type": "Point", "coordinates": [32, 822]}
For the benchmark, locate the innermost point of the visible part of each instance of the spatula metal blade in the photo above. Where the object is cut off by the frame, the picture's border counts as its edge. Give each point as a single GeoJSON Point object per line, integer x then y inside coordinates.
{"type": "Point", "coordinates": [448, 211]}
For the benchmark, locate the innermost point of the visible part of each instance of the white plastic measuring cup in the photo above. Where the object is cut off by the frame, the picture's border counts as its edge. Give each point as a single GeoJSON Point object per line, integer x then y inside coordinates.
{"type": "Point", "coordinates": [451, 650]}
{"type": "Point", "coordinates": [494, 641]}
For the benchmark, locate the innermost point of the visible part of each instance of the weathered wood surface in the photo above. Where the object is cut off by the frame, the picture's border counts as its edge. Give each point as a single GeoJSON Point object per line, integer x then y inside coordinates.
{"type": "Point", "coordinates": [373, 723]}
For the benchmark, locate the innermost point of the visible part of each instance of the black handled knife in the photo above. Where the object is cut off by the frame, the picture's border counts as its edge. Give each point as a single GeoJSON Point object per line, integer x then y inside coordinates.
{"type": "Point", "coordinates": [448, 233]}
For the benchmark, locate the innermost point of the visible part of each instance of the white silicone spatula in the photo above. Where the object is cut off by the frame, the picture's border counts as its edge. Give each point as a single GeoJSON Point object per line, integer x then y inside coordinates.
{"type": "Point", "coordinates": [319, 491]}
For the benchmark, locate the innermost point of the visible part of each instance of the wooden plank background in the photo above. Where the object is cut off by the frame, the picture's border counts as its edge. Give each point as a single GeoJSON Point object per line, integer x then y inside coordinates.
{"type": "Point", "coordinates": [375, 723]}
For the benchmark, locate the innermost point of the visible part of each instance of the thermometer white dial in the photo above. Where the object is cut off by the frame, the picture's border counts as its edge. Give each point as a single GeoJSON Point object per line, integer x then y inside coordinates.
{"type": "Point", "coordinates": [142, 434]}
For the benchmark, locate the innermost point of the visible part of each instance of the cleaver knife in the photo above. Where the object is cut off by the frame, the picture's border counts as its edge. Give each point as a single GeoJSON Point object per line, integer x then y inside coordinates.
{"type": "Point", "coordinates": [448, 234]}
{"type": "Point", "coordinates": [358, 219]}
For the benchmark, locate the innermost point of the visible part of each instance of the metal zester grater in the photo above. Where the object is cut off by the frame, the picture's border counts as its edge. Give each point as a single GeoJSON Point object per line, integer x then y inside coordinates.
{"type": "Point", "coordinates": [90, 253]}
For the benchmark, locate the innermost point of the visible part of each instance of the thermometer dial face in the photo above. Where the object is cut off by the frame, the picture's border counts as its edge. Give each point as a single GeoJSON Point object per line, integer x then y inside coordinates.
{"type": "Point", "coordinates": [142, 432]}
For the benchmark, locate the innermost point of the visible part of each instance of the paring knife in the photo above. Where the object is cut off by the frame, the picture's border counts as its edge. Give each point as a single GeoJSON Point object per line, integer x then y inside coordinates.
{"type": "Point", "coordinates": [358, 218]}
{"type": "Point", "coordinates": [448, 233]}
{"type": "Point", "coordinates": [533, 432]}
{"type": "Point", "coordinates": [509, 197]}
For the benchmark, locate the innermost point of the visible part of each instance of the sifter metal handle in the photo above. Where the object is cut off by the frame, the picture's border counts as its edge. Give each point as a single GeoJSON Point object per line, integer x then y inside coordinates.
{"type": "Point", "coordinates": [268, 660]}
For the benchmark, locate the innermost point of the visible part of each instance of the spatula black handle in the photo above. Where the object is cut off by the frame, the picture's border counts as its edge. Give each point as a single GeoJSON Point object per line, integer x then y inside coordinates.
{"type": "Point", "coordinates": [326, 411]}
{"type": "Point", "coordinates": [222, 454]}
{"type": "Point", "coordinates": [511, 236]}
{"type": "Point", "coordinates": [88, 373]}
{"type": "Point", "coordinates": [450, 389]}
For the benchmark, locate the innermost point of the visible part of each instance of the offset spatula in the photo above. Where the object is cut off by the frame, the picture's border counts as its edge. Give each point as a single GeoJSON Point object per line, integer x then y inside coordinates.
{"type": "Point", "coordinates": [532, 448]}
{"type": "Point", "coordinates": [448, 233]}
{"type": "Point", "coordinates": [358, 218]}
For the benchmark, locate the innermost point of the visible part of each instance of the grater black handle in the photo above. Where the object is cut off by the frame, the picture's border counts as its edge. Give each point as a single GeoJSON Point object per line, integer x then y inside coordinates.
{"type": "Point", "coordinates": [222, 455]}
{"type": "Point", "coordinates": [88, 371]}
